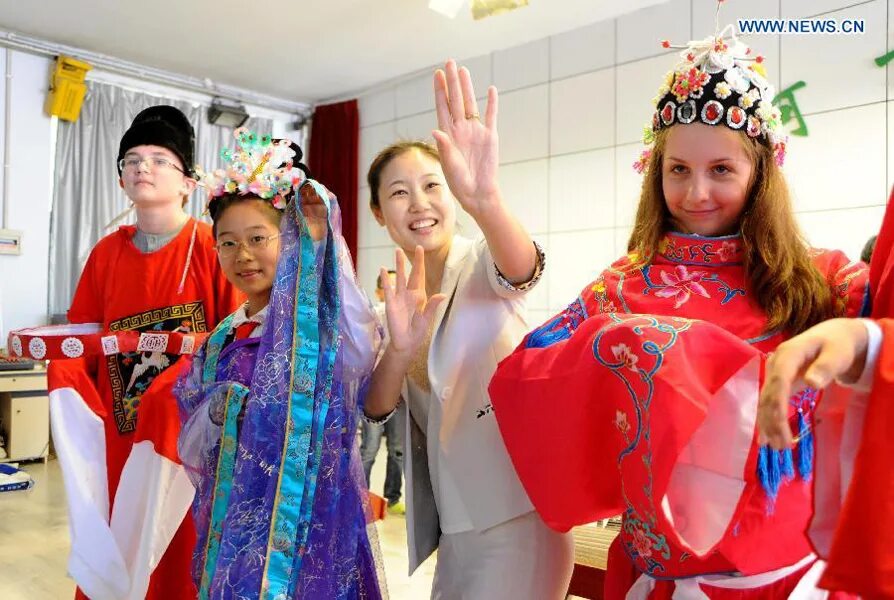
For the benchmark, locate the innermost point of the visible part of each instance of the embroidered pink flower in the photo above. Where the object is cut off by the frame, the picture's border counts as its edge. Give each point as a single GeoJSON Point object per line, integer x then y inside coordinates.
{"type": "Point", "coordinates": [681, 284]}
{"type": "Point", "coordinates": [621, 422]}
{"type": "Point", "coordinates": [642, 543]}
{"type": "Point", "coordinates": [688, 82]}
{"type": "Point", "coordinates": [624, 354]}
{"type": "Point", "coordinates": [727, 250]}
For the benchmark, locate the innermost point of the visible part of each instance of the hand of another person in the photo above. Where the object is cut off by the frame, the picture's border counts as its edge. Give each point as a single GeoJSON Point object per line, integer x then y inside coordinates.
{"type": "Point", "coordinates": [469, 148]}
{"type": "Point", "coordinates": [833, 349]}
{"type": "Point", "coordinates": [315, 213]}
{"type": "Point", "coordinates": [407, 308]}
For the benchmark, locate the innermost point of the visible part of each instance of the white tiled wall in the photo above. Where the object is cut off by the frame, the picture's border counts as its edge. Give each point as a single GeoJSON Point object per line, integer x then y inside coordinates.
{"type": "Point", "coordinates": [581, 111]}
{"type": "Point", "coordinates": [639, 33]}
{"type": "Point", "coordinates": [572, 108]}
{"type": "Point", "coordinates": [524, 124]}
{"type": "Point", "coordinates": [522, 66]}
{"type": "Point", "coordinates": [839, 69]}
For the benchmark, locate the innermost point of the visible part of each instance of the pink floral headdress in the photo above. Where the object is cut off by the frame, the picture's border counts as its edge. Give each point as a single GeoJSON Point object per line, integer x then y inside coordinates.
{"type": "Point", "coordinates": [717, 82]}
{"type": "Point", "coordinates": [259, 166]}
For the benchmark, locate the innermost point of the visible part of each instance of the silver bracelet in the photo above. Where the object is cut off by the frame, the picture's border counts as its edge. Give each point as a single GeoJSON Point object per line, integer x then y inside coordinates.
{"type": "Point", "coordinates": [540, 264]}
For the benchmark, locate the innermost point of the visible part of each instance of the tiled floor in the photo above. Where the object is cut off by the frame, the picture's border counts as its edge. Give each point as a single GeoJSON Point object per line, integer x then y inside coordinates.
{"type": "Point", "coordinates": [34, 538]}
{"type": "Point", "coordinates": [393, 542]}
{"type": "Point", "coordinates": [34, 542]}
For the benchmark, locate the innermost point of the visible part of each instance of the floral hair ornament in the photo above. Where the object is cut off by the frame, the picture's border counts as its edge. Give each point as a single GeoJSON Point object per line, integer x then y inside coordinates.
{"type": "Point", "coordinates": [717, 82]}
{"type": "Point", "coordinates": [259, 166]}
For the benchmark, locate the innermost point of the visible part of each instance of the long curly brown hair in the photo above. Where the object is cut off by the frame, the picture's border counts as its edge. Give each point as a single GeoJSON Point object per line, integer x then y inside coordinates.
{"type": "Point", "coordinates": [780, 274]}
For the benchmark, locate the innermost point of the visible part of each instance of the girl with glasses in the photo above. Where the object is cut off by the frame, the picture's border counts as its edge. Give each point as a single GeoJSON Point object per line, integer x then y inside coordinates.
{"type": "Point", "coordinates": [269, 406]}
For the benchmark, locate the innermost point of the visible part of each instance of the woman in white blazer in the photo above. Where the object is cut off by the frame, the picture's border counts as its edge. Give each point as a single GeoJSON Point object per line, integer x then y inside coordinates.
{"type": "Point", "coordinates": [460, 313]}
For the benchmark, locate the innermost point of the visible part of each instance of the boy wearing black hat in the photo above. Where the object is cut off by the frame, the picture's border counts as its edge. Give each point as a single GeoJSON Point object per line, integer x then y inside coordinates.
{"type": "Point", "coordinates": [160, 275]}
{"type": "Point", "coordinates": [155, 166]}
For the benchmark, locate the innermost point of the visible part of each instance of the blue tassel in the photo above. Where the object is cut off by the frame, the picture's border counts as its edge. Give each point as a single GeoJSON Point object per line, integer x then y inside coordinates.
{"type": "Point", "coordinates": [805, 448]}
{"type": "Point", "coordinates": [788, 467]}
{"type": "Point", "coordinates": [769, 473]}
{"type": "Point", "coordinates": [762, 471]}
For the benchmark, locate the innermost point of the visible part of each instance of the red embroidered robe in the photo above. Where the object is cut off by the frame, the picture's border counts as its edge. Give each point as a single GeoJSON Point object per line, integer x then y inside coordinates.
{"type": "Point", "coordinates": [127, 540]}
{"type": "Point", "coordinates": [642, 398]}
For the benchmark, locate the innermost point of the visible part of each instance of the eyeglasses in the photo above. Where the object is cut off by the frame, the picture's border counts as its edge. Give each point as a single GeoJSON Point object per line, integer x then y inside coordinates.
{"type": "Point", "coordinates": [229, 248]}
{"type": "Point", "coordinates": [132, 164]}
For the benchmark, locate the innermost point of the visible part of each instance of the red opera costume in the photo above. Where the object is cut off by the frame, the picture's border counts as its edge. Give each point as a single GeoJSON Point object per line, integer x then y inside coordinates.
{"type": "Point", "coordinates": [125, 289]}
{"type": "Point", "coordinates": [117, 419]}
{"type": "Point", "coordinates": [652, 378]}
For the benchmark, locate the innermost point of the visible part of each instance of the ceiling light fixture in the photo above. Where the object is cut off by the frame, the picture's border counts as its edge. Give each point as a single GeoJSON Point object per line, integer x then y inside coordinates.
{"type": "Point", "coordinates": [480, 8]}
{"type": "Point", "coordinates": [226, 114]}
{"type": "Point", "coordinates": [489, 8]}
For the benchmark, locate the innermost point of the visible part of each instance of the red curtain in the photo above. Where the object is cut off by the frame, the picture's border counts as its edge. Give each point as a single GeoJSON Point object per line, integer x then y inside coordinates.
{"type": "Point", "coordinates": [333, 157]}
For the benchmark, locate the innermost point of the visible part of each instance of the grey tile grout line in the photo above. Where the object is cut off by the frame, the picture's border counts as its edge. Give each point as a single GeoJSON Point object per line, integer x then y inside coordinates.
{"type": "Point", "coordinates": [615, 132]}
{"type": "Point", "coordinates": [549, 142]}
{"type": "Point", "coordinates": [828, 210]}
{"type": "Point", "coordinates": [841, 108]}
{"type": "Point", "coordinates": [503, 93]}
{"type": "Point", "coordinates": [616, 64]}
{"type": "Point", "coordinates": [779, 44]}
{"type": "Point", "coordinates": [628, 143]}
{"type": "Point", "coordinates": [829, 12]}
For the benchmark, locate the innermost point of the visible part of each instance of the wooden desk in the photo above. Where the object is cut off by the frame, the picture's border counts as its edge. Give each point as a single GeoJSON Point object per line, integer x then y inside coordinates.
{"type": "Point", "coordinates": [591, 544]}
{"type": "Point", "coordinates": [25, 414]}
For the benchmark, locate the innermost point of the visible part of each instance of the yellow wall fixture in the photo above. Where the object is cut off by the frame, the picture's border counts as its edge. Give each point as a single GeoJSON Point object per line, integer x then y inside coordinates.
{"type": "Point", "coordinates": [489, 8]}
{"type": "Point", "coordinates": [67, 88]}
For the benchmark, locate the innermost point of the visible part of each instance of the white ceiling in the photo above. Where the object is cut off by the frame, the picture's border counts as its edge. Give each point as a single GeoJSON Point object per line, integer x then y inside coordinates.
{"type": "Point", "coordinates": [307, 50]}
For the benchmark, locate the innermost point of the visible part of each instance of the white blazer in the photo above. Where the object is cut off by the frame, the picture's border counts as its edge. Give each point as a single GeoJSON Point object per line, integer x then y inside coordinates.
{"type": "Point", "coordinates": [479, 324]}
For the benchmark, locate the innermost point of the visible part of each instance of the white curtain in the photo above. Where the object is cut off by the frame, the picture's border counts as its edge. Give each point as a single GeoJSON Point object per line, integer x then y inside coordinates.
{"type": "Point", "coordinates": [86, 194]}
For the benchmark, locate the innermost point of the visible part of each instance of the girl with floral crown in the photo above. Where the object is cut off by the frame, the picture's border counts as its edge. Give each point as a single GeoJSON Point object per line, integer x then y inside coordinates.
{"type": "Point", "coordinates": [269, 406]}
{"type": "Point", "coordinates": [652, 374]}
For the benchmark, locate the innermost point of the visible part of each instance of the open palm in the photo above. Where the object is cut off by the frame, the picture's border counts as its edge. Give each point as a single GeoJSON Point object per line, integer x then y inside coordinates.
{"type": "Point", "coordinates": [469, 148]}
{"type": "Point", "coordinates": [408, 309]}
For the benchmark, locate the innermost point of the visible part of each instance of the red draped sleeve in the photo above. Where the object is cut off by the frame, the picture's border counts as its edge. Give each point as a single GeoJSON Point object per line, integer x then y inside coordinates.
{"type": "Point", "coordinates": [859, 550]}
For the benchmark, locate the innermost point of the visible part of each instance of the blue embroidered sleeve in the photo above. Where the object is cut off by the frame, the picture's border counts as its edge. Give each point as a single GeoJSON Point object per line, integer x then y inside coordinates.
{"type": "Point", "coordinates": [558, 328]}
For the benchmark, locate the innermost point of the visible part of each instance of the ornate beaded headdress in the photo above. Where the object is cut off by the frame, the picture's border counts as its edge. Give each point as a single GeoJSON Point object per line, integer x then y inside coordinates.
{"type": "Point", "coordinates": [717, 82]}
{"type": "Point", "coordinates": [259, 166]}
